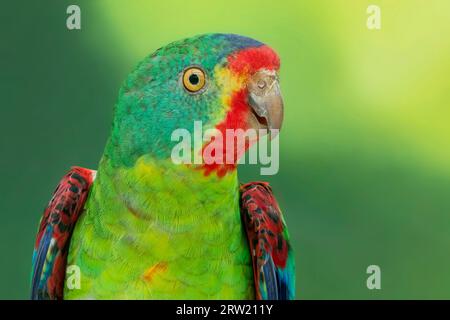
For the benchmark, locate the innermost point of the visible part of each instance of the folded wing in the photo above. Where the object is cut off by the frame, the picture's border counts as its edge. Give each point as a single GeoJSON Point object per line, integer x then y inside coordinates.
{"type": "Point", "coordinates": [273, 260]}
{"type": "Point", "coordinates": [55, 231]}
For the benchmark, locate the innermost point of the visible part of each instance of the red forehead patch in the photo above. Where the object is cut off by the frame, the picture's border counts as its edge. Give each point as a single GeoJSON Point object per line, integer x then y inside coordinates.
{"type": "Point", "coordinates": [253, 59]}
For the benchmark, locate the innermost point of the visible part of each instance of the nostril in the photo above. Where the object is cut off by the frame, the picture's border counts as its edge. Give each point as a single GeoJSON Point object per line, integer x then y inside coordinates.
{"type": "Point", "coordinates": [261, 84]}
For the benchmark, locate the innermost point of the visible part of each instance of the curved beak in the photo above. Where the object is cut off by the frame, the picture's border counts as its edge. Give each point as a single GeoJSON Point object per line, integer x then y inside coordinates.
{"type": "Point", "coordinates": [264, 97]}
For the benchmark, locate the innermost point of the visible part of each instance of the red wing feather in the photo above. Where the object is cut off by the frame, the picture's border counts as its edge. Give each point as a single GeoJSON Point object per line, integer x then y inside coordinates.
{"type": "Point", "coordinates": [273, 262]}
{"type": "Point", "coordinates": [55, 230]}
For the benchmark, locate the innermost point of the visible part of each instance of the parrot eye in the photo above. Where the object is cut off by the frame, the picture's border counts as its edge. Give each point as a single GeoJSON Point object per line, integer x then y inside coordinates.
{"type": "Point", "coordinates": [194, 79]}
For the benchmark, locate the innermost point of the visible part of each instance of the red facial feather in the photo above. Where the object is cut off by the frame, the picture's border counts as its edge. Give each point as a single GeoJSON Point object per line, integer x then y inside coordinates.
{"type": "Point", "coordinates": [253, 59]}
{"type": "Point", "coordinates": [242, 63]}
{"type": "Point", "coordinates": [236, 118]}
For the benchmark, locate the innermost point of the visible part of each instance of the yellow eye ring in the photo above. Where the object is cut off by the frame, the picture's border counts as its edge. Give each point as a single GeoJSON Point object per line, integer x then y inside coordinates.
{"type": "Point", "coordinates": [194, 79]}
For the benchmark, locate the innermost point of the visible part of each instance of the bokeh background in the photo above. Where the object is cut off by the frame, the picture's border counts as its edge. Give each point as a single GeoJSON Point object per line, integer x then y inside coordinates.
{"type": "Point", "coordinates": [365, 149]}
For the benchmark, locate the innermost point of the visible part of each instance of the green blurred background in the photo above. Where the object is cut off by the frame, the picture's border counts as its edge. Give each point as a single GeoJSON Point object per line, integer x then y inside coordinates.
{"type": "Point", "coordinates": [365, 149]}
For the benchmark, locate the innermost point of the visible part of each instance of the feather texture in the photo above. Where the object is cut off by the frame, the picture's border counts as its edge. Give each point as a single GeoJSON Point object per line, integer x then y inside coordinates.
{"type": "Point", "coordinates": [273, 261]}
{"type": "Point", "coordinates": [55, 231]}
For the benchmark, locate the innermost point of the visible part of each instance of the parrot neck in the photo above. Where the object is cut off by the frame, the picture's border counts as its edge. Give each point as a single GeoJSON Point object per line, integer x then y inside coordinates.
{"type": "Point", "coordinates": [162, 192]}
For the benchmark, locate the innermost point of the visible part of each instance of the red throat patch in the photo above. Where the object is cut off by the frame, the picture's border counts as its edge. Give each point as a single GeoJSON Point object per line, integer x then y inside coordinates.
{"type": "Point", "coordinates": [243, 63]}
{"type": "Point", "coordinates": [236, 118]}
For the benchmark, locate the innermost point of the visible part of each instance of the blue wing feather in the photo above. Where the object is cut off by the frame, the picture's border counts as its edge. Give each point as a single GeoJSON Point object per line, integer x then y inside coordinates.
{"type": "Point", "coordinates": [39, 256]}
{"type": "Point", "coordinates": [55, 231]}
{"type": "Point", "coordinates": [272, 256]}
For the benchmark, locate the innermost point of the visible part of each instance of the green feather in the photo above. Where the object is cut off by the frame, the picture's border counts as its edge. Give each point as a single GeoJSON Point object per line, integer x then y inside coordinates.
{"type": "Point", "coordinates": [152, 229]}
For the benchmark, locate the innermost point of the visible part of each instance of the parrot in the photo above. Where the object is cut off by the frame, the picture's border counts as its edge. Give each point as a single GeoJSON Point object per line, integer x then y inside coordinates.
{"type": "Point", "coordinates": [144, 227]}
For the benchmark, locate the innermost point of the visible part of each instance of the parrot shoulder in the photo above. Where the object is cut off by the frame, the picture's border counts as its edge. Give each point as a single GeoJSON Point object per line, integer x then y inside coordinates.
{"type": "Point", "coordinates": [272, 256]}
{"type": "Point", "coordinates": [55, 231]}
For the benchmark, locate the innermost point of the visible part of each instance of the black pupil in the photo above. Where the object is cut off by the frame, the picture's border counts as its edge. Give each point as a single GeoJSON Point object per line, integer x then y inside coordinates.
{"type": "Point", "coordinates": [193, 79]}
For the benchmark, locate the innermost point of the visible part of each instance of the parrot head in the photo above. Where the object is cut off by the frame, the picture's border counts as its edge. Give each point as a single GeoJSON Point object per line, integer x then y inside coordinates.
{"type": "Point", "coordinates": [225, 81]}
